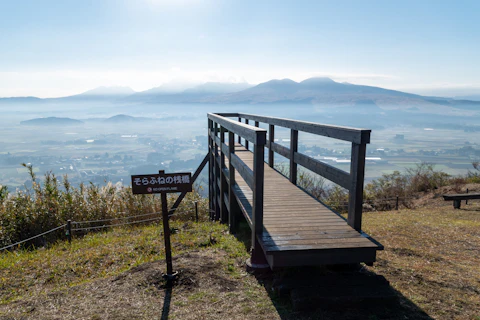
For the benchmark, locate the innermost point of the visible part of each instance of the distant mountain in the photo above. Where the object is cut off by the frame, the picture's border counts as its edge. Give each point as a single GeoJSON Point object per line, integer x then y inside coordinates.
{"type": "Point", "coordinates": [122, 118]}
{"type": "Point", "coordinates": [320, 92]}
{"type": "Point", "coordinates": [100, 94]}
{"type": "Point", "coordinates": [51, 121]}
{"type": "Point", "coordinates": [312, 91]}
{"type": "Point", "coordinates": [164, 94]}
{"type": "Point", "coordinates": [19, 100]}
{"type": "Point", "coordinates": [475, 97]}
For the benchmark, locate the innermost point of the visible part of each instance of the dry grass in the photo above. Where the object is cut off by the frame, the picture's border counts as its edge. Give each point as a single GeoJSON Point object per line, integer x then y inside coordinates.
{"type": "Point", "coordinates": [431, 259]}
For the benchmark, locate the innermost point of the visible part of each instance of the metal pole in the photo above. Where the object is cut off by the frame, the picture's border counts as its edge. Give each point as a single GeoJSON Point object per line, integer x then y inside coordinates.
{"type": "Point", "coordinates": [396, 204]}
{"type": "Point", "coordinates": [466, 201]}
{"type": "Point", "coordinates": [166, 236]}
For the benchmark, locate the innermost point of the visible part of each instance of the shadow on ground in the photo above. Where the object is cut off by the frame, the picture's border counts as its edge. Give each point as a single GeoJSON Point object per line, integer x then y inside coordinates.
{"type": "Point", "coordinates": [335, 292]}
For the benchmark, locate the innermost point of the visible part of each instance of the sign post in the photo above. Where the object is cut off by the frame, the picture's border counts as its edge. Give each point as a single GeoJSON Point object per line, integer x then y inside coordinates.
{"type": "Point", "coordinates": [163, 183]}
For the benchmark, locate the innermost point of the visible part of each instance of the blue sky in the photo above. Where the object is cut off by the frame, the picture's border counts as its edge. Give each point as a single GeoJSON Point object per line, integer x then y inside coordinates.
{"type": "Point", "coordinates": [55, 48]}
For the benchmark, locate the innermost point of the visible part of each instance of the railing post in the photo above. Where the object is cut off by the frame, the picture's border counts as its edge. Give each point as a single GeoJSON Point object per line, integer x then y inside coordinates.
{"type": "Point", "coordinates": [233, 209]}
{"type": "Point", "coordinates": [217, 174]}
{"type": "Point", "coordinates": [246, 141]}
{"type": "Point", "coordinates": [239, 138]}
{"type": "Point", "coordinates": [223, 181]}
{"type": "Point", "coordinates": [293, 150]}
{"type": "Point", "coordinates": [271, 139]}
{"type": "Point", "coordinates": [355, 197]}
{"type": "Point", "coordinates": [258, 256]}
{"type": "Point", "coordinates": [211, 177]}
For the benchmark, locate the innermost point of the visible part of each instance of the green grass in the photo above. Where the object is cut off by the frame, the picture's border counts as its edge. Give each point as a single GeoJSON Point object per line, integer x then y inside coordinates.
{"type": "Point", "coordinates": [98, 255]}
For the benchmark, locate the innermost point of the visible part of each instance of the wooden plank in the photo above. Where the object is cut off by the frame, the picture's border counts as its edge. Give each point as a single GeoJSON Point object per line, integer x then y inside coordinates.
{"type": "Point", "coordinates": [355, 135]}
{"type": "Point", "coordinates": [319, 246]}
{"type": "Point", "coordinates": [327, 171]}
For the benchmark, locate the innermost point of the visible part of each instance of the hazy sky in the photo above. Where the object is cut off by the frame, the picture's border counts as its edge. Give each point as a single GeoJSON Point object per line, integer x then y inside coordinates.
{"type": "Point", "coordinates": [54, 48]}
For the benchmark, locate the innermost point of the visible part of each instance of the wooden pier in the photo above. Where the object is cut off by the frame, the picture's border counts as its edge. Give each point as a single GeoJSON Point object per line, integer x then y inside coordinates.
{"type": "Point", "coordinates": [289, 227]}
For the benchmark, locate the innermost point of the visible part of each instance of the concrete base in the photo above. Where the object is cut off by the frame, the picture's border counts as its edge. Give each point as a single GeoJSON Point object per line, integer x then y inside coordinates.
{"type": "Point", "coordinates": [256, 267]}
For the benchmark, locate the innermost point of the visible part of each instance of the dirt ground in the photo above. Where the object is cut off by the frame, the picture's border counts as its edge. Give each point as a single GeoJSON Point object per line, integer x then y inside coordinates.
{"type": "Point", "coordinates": [204, 291]}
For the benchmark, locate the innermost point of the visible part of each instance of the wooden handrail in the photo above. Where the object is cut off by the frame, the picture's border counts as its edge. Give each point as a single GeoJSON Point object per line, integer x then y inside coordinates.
{"type": "Point", "coordinates": [352, 181]}
{"type": "Point", "coordinates": [222, 178]}
{"type": "Point", "coordinates": [355, 135]}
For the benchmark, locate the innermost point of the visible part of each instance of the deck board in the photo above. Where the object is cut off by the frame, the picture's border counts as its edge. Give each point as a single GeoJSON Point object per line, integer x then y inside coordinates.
{"type": "Point", "coordinates": [294, 221]}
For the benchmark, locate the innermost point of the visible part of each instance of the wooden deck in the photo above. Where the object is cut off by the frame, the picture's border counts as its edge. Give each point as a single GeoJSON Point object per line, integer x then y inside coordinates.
{"type": "Point", "coordinates": [299, 230]}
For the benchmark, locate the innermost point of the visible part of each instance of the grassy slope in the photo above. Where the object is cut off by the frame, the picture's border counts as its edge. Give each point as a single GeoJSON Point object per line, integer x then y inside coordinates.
{"type": "Point", "coordinates": [431, 258]}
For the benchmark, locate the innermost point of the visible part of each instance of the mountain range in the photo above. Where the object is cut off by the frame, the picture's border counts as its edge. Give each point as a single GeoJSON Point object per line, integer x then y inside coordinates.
{"type": "Point", "coordinates": [313, 91]}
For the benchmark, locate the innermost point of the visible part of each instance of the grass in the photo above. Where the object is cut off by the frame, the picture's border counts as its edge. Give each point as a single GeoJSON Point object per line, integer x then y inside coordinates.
{"type": "Point", "coordinates": [431, 259]}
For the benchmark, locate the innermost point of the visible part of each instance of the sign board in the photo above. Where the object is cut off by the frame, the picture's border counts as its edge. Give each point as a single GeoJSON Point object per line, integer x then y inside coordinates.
{"type": "Point", "coordinates": [162, 183]}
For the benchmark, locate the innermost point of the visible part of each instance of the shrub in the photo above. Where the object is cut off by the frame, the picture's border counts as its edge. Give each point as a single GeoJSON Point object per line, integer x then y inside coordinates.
{"type": "Point", "coordinates": [47, 205]}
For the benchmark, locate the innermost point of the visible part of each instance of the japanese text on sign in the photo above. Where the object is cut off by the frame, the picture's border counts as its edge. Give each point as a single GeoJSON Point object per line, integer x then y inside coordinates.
{"type": "Point", "coordinates": [157, 183]}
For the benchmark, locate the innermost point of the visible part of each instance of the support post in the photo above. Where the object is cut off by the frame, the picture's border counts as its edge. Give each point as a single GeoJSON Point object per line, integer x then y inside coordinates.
{"type": "Point", "coordinates": [466, 201]}
{"type": "Point", "coordinates": [246, 141]}
{"type": "Point", "coordinates": [211, 178]}
{"type": "Point", "coordinates": [239, 138]}
{"type": "Point", "coordinates": [258, 259]}
{"type": "Point", "coordinates": [233, 209]}
{"type": "Point", "coordinates": [355, 196]}
{"type": "Point", "coordinates": [166, 236]}
{"type": "Point", "coordinates": [396, 204]}
{"type": "Point", "coordinates": [293, 150]}
{"type": "Point", "coordinates": [271, 139]}
{"type": "Point", "coordinates": [223, 181]}
{"type": "Point", "coordinates": [217, 175]}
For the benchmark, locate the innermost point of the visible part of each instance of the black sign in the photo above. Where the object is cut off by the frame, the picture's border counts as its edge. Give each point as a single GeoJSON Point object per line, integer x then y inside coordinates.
{"type": "Point", "coordinates": [162, 183]}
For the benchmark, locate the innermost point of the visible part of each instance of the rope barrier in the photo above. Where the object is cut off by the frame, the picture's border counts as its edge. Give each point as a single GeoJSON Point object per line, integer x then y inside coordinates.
{"type": "Point", "coordinates": [39, 235]}
{"type": "Point", "coordinates": [112, 219]}
{"type": "Point", "coordinates": [115, 225]}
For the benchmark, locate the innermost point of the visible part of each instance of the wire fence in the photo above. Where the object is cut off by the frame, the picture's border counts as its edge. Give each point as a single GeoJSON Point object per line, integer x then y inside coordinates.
{"type": "Point", "coordinates": [69, 229]}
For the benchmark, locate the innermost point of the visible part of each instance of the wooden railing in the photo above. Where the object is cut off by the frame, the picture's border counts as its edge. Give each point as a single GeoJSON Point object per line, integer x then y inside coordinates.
{"type": "Point", "coordinates": [352, 181]}
{"type": "Point", "coordinates": [222, 177]}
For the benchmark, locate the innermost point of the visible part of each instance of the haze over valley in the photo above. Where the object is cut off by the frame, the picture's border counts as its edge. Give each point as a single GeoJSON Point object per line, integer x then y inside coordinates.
{"type": "Point", "coordinates": [109, 133]}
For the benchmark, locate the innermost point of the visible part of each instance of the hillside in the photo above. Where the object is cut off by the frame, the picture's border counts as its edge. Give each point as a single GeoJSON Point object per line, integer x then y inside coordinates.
{"type": "Point", "coordinates": [51, 121]}
{"type": "Point", "coordinates": [429, 259]}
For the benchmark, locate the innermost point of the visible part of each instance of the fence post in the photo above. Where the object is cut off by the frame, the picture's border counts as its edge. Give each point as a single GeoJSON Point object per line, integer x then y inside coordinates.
{"type": "Point", "coordinates": [396, 204]}
{"type": "Point", "coordinates": [69, 231]}
{"type": "Point", "coordinates": [196, 211]}
{"type": "Point", "coordinates": [466, 201]}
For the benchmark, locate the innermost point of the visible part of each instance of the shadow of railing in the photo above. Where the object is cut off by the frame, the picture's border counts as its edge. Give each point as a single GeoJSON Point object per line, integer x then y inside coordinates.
{"type": "Point", "coordinates": [336, 293]}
